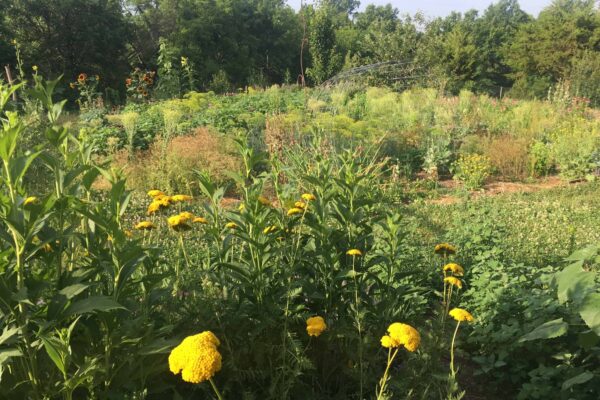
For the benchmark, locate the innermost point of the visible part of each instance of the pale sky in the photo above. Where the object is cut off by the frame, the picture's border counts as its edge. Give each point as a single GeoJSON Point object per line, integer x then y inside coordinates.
{"type": "Point", "coordinates": [440, 8]}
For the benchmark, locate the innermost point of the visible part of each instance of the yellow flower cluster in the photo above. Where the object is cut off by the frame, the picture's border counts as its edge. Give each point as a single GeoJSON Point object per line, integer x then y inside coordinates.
{"type": "Point", "coordinates": [315, 326]}
{"type": "Point", "coordinates": [308, 197]}
{"type": "Point", "coordinates": [401, 335]}
{"type": "Point", "coordinates": [231, 225]}
{"type": "Point", "coordinates": [145, 226]}
{"type": "Point", "coordinates": [354, 252]}
{"type": "Point", "coordinates": [30, 200]}
{"type": "Point", "coordinates": [301, 206]}
{"type": "Point", "coordinates": [461, 315]}
{"type": "Point", "coordinates": [269, 229]}
{"type": "Point", "coordinates": [454, 281]}
{"type": "Point", "coordinates": [196, 357]}
{"type": "Point", "coordinates": [455, 269]}
{"type": "Point", "coordinates": [180, 222]}
{"type": "Point", "coordinates": [294, 211]}
{"type": "Point", "coordinates": [200, 220]}
{"type": "Point", "coordinates": [178, 198]}
{"type": "Point", "coordinates": [444, 249]}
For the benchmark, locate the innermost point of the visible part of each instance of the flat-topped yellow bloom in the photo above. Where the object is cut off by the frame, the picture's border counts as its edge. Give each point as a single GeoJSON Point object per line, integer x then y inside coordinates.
{"type": "Point", "coordinates": [461, 315]}
{"type": "Point", "coordinates": [295, 211]}
{"type": "Point", "coordinates": [455, 269]}
{"type": "Point", "coordinates": [186, 215]}
{"type": "Point", "coordinates": [444, 249]}
{"type": "Point", "coordinates": [308, 197]}
{"type": "Point", "coordinates": [403, 335]}
{"type": "Point", "coordinates": [145, 226]}
{"type": "Point", "coordinates": [231, 225]}
{"type": "Point", "coordinates": [300, 204]}
{"type": "Point", "coordinates": [388, 342]}
{"type": "Point", "coordinates": [453, 281]}
{"type": "Point", "coordinates": [200, 220]}
{"type": "Point", "coordinates": [178, 223]}
{"type": "Point", "coordinates": [181, 197]}
{"type": "Point", "coordinates": [155, 192]}
{"type": "Point", "coordinates": [196, 357]}
{"type": "Point", "coordinates": [315, 326]}
{"type": "Point", "coordinates": [354, 252]}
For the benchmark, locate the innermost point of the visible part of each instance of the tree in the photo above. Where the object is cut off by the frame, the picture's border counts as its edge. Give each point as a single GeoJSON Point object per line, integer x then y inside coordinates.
{"type": "Point", "coordinates": [543, 49]}
{"type": "Point", "coordinates": [326, 61]}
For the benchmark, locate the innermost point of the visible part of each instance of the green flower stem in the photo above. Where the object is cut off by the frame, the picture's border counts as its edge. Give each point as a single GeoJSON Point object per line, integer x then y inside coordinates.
{"type": "Point", "coordinates": [384, 378]}
{"type": "Point", "coordinates": [358, 325]}
{"type": "Point", "coordinates": [452, 349]}
{"type": "Point", "coordinates": [216, 390]}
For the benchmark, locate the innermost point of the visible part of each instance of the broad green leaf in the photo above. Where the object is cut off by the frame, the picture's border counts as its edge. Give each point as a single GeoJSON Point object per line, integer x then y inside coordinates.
{"type": "Point", "coordinates": [91, 304]}
{"type": "Point", "coordinates": [577, 380]}
{"type": "Point", "coordinates": [71, 291]}
{"type": "Point", "coordinates": [548, 330]}
{"type": "Point", "coordinates": [590, 311]}
{"type": "Point", "coordinates": [8, 333]}
{"type": "Point", "coordinates": [6, 354]}
{"type": "Point", "coordinates": [574, 283]}
{"type": "Point", "coordinates": [588, 339]}
{"type": "Point", "coordinates": [53, 348]}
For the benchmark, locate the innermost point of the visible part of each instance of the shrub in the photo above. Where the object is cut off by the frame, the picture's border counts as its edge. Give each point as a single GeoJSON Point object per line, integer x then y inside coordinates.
{"type": "Point", "coordinates": [472, 170]}
{"type": "Point", "coordinates": [576, 149]}
{"type": "Point", "coordinates": [508, 156]}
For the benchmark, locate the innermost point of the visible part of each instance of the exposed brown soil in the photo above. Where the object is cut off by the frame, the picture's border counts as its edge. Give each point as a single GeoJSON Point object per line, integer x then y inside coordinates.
{"type": "Point", "coordinates": [496, 188]}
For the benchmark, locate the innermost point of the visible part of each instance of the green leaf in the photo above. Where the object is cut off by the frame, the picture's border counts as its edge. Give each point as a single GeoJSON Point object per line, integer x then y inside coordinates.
{"type": "Point", "coordinates": [6, 354]}
{"type": "Point", "coordinates": [588, 339]}
{"type": "Point", "coordinates": [92, 304]}
{"type": "Point", "coordinates": [590, 311]}
{"type": "Point", "coordinates": [53, 348]}
{"type": "Point", "coordinates": [574, 283]}
{"type": "Point", "coordinates": [577, 380]}
{"type": "Point", "coordinates": [71, 291]}
{"type": "Point", "coordinates": [548, 330]}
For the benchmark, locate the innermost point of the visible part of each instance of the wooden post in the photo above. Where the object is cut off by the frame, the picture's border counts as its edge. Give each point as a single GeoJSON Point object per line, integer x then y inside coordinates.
{"type": "Point", "coordinates": [10, 81]}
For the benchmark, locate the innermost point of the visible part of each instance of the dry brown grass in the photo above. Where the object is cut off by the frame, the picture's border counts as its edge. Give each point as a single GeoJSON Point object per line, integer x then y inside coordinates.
{"type": "Point", "coordinates": [509, 156]}
{"type": "Point", "coordinates": [172, 167]}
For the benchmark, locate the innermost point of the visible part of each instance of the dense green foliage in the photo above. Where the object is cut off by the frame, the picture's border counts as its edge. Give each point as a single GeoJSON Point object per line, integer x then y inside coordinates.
{"type": "Point", "coordinates": [233, 43]}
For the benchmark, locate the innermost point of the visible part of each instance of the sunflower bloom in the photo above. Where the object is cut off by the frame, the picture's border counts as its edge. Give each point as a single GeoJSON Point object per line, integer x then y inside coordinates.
{"type": "Point", "coordinates": [354, 252]}
{"type": "Point", "coordinates": [454, 281]}
{"type": "Point", "coordinates": [294, 211]}
{"type": "Point", "coordinates": [444, 249]}
{"type": "Point", "coordinates": [196, 357]}
{"type": "Point", "coordinates": [145, 226]}
{"type": "Point", "coordinates": [461, 315]}
{"type": "Point", "coordinates": [308, 197]}
{"type": "Point", "coordinates": [405, 335]}
{"type": "Point", "coordinates": [455, 269]}
{"type": "Point", "coordinates": [315, 326]}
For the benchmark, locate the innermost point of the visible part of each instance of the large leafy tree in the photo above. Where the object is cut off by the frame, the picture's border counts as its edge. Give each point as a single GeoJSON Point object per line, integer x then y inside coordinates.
{"type": "Point", "coordinates": [543, 50]}
{"type": "Point", "coordinates": [71, 36]}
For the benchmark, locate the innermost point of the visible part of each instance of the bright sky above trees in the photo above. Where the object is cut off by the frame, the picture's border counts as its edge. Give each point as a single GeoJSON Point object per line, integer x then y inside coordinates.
{"type": "Point", "coordinates": [435, 8]}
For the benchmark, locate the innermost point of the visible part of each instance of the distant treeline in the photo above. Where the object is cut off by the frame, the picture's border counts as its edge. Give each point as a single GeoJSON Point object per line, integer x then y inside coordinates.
{"type": "Point", "coordinates": [232, 43]}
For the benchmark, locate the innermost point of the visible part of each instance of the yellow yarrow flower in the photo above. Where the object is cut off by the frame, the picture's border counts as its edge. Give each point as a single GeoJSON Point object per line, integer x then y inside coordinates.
{"type": "Point", "coordinates": [308, 197]}
{"type": "Point", "coordinates": [200, 220]}
{"type": "Point", "coordinates": [178, 223]}
{"type": "Point", "coordinates": [300, 204]}
{"type": "Point", "coordinates": [294, 211]}
{"type": "Point", "coordinates": [453, 281]}
{"type": "Point", "coordinates": [444, 249]}
{"type": "Point", "coordinates": [455, 269]}
{"type": "Point", "coordinates": [145, 226]}
{"type": "Point", "coordinates": [354, 252]}
{"type": "Point", "coordinates": [196, 357]}
{"type": "Point", "coordinates": [181, 197]}
{"type": "Point", "coordinates": [388, 342]}
{"type": "Point", "coordinates": [461, 315]}
{"type": "Point", "coordinates": [155, 192]}
{"type": "Point", "coordinates": [30, 200]}
{"type": "Point", "coordinates": [128, 233]}
{"type": "Point", "coordinates": [186, 215]}
{"type": "Point", "coordinates": [405, 335]}
{"type": "Point", "coordinates": [315, 326]}
{"type": "Point", "coordinates": [231, 225]}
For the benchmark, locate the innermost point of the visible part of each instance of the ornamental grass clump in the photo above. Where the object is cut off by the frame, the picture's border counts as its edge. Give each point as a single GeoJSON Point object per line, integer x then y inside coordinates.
{"type": "Point", "coordinates": [197, 359]}
{"type": "Point", "coordinates": [398, 336]}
